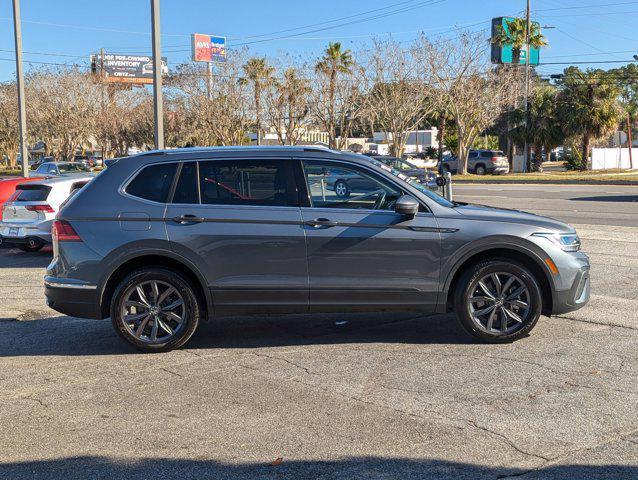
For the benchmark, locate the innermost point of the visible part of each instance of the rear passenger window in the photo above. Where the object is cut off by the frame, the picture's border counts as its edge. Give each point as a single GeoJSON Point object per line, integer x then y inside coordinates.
{"type": "Point", "coordinates": [248, 182]}
{"type": "Point", "coordinates": [186, 190]}
{"type": "Point", "coordinates": [153, 182]}
{"type": "Point", "coordinates": [31, 193]}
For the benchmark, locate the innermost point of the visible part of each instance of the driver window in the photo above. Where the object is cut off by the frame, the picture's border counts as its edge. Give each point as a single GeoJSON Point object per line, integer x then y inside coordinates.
{"type": "Point", "coordinates": [333, 185]}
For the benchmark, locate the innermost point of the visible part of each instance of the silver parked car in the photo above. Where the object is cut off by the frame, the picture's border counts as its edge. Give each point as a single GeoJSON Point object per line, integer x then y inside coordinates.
{"type": "Point", "coordinates": [163, 240]}
{"type": "Point", "coordinates": [56, 169]}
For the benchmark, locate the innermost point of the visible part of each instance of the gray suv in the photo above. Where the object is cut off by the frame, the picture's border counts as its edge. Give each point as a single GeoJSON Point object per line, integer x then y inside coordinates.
{"type": "Point", "coordinates": [163, 240]}
{"type": "Point", "coordinates": [480, 162]}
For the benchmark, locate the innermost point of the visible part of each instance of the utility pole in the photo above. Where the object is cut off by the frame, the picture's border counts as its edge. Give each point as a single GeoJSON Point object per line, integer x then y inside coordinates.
{"type": "Point", "coordinates": [158, 109]}
{"type": "Point", "coordinates": [22, 114]}
{"type": "Point", "coordinates": [528, 22]}
{"type": "Point", "coordinates": [630, 141]}
{"type": "Point", "coordinates": [209, 81]}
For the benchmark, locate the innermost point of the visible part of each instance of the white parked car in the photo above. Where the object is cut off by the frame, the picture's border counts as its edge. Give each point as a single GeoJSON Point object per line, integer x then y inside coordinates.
{"type": "Point", "coordinates": [29, 213]}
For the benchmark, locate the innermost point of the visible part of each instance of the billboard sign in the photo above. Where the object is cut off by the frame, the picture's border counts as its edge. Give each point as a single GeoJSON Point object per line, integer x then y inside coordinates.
{"type": "Point", "coordinates": [505, 53]}
{"type": "Point", "coordinates": [208, 48]}
{"type": "Point", "coordinates": [136, 69]}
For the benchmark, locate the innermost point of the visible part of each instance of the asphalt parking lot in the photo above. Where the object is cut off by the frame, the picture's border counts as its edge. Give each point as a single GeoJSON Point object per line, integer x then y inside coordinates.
{"type": "Point", "coordinates": [359, 396]}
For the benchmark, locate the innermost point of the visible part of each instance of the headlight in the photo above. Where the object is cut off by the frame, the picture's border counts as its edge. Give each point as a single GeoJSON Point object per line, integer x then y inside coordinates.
{"type": "Point", "coordinates": [569, 242]}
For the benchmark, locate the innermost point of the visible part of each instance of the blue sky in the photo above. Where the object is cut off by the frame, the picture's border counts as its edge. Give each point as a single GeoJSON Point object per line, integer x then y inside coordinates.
{"type": "Point", "coordinates": [67, 31]}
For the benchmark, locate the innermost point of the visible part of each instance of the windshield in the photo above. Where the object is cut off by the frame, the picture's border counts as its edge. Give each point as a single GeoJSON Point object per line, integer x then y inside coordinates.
{"type": "Point", "coordinates": [415, 183]}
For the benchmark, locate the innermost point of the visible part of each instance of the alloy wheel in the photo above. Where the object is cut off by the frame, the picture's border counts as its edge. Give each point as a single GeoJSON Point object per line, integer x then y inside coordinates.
{"type": "Point", "coordinates": [500, 303]}
{"type": "Point", "coordinates": [341, 189]}
{"type": "Point", "coordinates": [153, 311]}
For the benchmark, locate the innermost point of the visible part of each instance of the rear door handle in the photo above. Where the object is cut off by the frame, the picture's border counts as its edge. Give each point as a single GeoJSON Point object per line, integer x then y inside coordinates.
{"type": "Point", "coordinates": [321, 223]}
{"type": "Point", "coordinates": [186, 219]}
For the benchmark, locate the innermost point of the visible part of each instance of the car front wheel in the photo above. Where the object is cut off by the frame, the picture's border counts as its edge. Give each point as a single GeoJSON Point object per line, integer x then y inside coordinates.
{"type": "Point", "coordinates": [155, 309]}
{"type": "Point", "coordinates": [498, 301]}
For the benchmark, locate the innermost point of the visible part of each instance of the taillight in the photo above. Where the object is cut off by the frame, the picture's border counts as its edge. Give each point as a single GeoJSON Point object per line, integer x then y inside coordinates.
{"type": "Point", "coordinates": [40, 208]}
{"type": "Point", "coordinates": [62, 231]}
{"type": "Point", "coordinates": [494, 159]}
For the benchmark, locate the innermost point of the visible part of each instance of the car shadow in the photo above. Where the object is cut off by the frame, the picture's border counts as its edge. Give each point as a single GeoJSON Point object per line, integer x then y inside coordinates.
{"type": "Point", "coordinates": [75, 337]}
{"type": "Point", "coordinates": [82, 467]}
{"type": "Point", "coordinates": [16, 258]}
{"type": "Point", "coordinates": [607, 198]}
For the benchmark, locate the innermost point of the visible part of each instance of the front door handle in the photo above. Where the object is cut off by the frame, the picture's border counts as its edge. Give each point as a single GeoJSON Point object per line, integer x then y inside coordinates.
{"type": "Point", "coordinates": [186, 219]}
{"type": "Point", "coordinates": [321, 223]}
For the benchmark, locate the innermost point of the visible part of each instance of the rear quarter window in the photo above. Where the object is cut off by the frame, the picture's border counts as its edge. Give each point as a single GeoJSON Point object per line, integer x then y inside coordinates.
{"type": "Point", "coordinates": [153, 182]}
{"type": "Point", "coordinates": [31, 193]}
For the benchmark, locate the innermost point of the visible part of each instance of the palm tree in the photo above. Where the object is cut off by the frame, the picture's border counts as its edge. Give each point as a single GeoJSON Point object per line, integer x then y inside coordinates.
{"type": "Point", "coordinates": [260, 74]}
{"type": "Point", "coordinates": [516, 35]}
{"type": "Point", "coordinates": [544, 130]}
{"type": "Point", "coordinates": [588, 107]}
{"type": "Point", "coordinates": [333, 62]}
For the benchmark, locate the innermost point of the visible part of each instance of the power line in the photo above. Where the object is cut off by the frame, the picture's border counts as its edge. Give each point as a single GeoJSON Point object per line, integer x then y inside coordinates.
{"type": "Point", "coordinates": [361, 20]}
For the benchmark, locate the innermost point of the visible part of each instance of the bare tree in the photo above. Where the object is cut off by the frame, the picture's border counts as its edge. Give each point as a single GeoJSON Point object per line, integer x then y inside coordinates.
{"type": "Point", "coordinates": [399, 92]}
{"type": "Point", "coordinates": [63, 108]}
{"type": "Point", "coordinates": [287, 106]}
{"type": "Point", "coordinates": [9, 139]}
{"type": "Point", "coordinates": [467, 88]}
{"type": "Point", "coordinates": [224, 119]}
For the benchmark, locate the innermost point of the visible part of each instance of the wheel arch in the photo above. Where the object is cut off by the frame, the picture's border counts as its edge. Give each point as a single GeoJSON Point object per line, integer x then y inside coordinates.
{"type": "Point", "coordinates": [515, 253]}
{"type": "Point", "coordinates": [153, 259]}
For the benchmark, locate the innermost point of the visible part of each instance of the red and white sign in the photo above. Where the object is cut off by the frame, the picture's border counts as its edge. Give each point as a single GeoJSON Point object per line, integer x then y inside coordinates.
{"type": "Point", "coordinates": [208, 48]}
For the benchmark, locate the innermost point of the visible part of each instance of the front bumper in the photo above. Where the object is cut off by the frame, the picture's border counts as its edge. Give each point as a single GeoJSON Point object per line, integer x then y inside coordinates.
{"type": "Point", "coordinates": [72, 298]}
{"type": "Point", "coordinates": [575, 297]}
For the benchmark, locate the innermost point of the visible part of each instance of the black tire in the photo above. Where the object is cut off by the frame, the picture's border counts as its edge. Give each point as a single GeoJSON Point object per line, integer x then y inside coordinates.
{"type": "Point", "coordinates": [343, 187]}
{"type": "Point", "coordinates": [193, 308]}
{"type": "Point", "coordinates": [32, 245]}
{"type": "Point", "coordinates": [480, 169]}
{"type": "Point", "coordinates": [469, 284]}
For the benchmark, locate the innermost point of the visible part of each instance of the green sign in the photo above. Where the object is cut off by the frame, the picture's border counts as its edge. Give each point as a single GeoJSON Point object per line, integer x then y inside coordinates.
{"type": "Point", "coordinates": [505, 53]}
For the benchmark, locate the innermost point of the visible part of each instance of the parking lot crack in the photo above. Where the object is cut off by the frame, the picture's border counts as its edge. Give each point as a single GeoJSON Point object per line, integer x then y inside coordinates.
{"type": "Point", "coordinates": [281, 359]}
{"type": "Point", "coordinates": [509, 441]}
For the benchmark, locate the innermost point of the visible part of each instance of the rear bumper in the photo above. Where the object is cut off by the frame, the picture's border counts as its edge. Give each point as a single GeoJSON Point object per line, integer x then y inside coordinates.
{"type": "Point", "coordinates": [24, 232]}
{"type": "Point", "coordinates": [72, 298]}
{"type": "Point", "coordinates": [574, 298]}
{"type": "Point", "coordinates": [498, 170]}
{"type": "Point", "coordinates": [11, 241]}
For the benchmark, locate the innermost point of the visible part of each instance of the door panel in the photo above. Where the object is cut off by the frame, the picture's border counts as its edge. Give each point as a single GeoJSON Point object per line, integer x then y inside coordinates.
{"type": "Point", "coordinates": [371, 259]}
{"type": "Point", "coordinates": [254, 258]}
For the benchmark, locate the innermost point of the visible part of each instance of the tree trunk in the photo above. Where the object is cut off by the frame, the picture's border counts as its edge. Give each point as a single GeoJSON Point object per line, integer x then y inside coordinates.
{"type": "Point", "coordinates": [331, 111]}
{"type": "Point", "coordinates": [516, 56]}
{"type": "Point", "coordinates": [584, 161]}
{"type": "Point", "coordinates": [258, 113]}
{"type": "Point", "coordinates": [461, 165]}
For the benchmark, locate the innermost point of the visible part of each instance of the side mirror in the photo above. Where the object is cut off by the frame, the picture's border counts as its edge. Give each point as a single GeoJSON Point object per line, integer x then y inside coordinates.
{"type": "Point", "coordinates": [406, 205]}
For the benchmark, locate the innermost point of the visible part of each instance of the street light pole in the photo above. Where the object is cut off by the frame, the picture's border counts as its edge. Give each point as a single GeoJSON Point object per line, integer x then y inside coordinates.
{"type": "Point", "coordinates": [528, 22]}
{"type": "Point", "coordinates": [22, 114]}
{"type": "Point", "coordinates": [158, 109]}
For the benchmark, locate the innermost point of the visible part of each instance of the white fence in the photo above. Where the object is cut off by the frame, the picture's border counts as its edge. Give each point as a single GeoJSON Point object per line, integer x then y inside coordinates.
{"type": "Point", "coordinates": [608, 158]}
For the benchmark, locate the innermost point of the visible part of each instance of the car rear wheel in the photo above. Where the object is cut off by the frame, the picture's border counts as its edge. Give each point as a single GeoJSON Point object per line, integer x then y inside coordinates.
{"type": "Point", "coordinates": [480, 170]}
{"type": "Point", "coordinates": [342, 189]}
{"type": "Point", "coordinates": [498, 301]}
{"type": "Point", "coordinates": [32, 245]}
{"type": "Point", "coordinates": [155, 309]}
